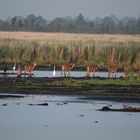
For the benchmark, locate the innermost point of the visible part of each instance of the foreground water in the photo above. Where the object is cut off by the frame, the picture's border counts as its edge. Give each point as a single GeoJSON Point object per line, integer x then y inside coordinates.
{"type": "Point", "coordinates": [65, 118]}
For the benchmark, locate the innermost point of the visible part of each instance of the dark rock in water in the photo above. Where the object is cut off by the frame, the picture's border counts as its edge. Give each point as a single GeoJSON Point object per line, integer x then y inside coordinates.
{"type": "Point", "coordinates": [96, 121]}
{"type": "Point", "coordinates": [46, 125]}
{"type": "Point", "coordinates": [43, 104]}
{"type": "Point", "coordinates": [11, 96]}
{"type": "Point", "coordinates": [64, 103]}
{"type": "Point", "coordinates": [5, 104]}
{"type": "Point", "coordinates": [81, 115]}
{"type": "Point", "coordinates": [105, 108]}
{"type": "Point", "coordinates": [31, 104]}
{"type": "Point", "coordinates": [58, 104]}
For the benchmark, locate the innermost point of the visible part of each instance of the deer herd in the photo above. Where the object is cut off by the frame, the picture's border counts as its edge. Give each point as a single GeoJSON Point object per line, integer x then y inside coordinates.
{"type": "Point", "coordinates": [66, 69]}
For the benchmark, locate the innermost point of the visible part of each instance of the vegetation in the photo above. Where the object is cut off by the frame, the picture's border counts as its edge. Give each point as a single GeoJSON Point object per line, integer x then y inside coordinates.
{"type": "Point", "coordinates": [28, 83]}
{"type": "Point", "coordinates": [108, 89]}
{"type": "Point", "coordinates": [80, 83]}
{"type": "Point", "coordinates": [83, 50]}
{"type": "Point", "coordinates": [80, 24]}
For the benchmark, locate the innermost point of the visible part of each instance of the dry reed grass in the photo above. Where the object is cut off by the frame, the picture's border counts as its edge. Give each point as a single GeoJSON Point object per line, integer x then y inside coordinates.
{"type": "Point", "coordinates": [69, 36]}
{"type": "Point", "coordinates": [59, 48]}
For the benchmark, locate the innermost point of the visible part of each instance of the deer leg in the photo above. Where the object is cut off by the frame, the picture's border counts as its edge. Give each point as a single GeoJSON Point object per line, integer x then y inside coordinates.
{"type": "Point", "coordinates": [87, 74]}
{"type": "Point", "coordinates": [61, 73]}
{"type": "Point", "coordinates": [109, 75]}
{"type": "Point", "coordinates": [69, 74]}
{"type": "Point", "coordinates": [93, 74]}
{"type": "Point", "coordinates": [25, 73]}
{"type": "Point", "coordinates": [65, 74]}
{"type": "Point", "coordinates": [115, 74]}
{"type": "Point", "coordinates": [30, 74]}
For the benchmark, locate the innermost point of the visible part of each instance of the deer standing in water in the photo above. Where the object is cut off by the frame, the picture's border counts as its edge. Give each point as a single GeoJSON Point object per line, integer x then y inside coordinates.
{"type": "Point", "coordinates": [29, 68]}
{"type": "Point", "coordinates": [112, 69]}
{"type": "Point", "coordinates": [66, 68]}
{"type": "Point", "coordinates": [127, 70]}
{"type": "Point", "coordinates": [92, 69]}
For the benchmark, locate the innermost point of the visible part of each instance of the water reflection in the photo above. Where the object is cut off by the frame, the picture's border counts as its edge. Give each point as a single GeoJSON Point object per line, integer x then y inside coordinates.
{"type": "Point", "coordinates": [65, 118]}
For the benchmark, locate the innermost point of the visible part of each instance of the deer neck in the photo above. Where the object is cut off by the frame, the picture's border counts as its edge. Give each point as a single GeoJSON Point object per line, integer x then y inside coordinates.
{"type": "Point", "coordinates": [72, 67]}
{"type": "Point", "coordinates": [33, 66]}
{"type": "Point", "coordinates": [97, 66]}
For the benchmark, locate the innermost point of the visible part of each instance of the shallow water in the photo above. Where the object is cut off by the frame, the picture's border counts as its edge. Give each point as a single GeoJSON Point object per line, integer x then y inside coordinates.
{"type": "Point", "coordinates": [40, 73]}
{"type": "Point", "coordinates": [65, 118]}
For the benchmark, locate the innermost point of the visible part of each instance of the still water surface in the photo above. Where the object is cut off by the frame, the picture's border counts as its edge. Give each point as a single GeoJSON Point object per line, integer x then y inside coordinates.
{"type": "Point", "coordinates": [65, 118]}
{"type": "Point", "coordinates": [40, 73]}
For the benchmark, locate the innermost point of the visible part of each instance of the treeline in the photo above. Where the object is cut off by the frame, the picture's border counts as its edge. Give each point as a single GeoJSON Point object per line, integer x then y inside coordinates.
{"type": "Point", "coordinates": [82, 53]}
{"type": "Point", "coordinates": [80, 24]}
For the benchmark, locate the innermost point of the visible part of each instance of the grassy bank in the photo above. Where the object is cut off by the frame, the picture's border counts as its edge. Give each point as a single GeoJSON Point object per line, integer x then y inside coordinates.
{"type": "Point", "coordinates": [120, 90]}
{"type": "Point", "coordinates": [81, 49]}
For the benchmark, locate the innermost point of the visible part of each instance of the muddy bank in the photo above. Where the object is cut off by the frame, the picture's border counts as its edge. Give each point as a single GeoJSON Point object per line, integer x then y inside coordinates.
{"type": "Point", "coordinates": [4, 96]}
{"type": "Point", "coordinates": [55, 86]}
{"type": "Point", "coordinates": [125, 109]}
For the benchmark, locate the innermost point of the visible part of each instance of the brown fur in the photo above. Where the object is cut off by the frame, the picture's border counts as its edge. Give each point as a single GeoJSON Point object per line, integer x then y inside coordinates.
{"type": "Point", "coordinates": [92, 69]}
{"type": "Point", "coordinates": [67, 68]}
{"type": "Point", "coordinates": [29, 68]}
{"type": "Point", "coordinates": [112, 69]}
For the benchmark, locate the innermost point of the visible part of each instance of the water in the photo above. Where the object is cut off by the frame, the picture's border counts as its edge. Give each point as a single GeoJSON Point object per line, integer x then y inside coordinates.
{"type": "Point", "coordinates": [73, 74]}
{"type": "Point", "coordinates": [65, 118]}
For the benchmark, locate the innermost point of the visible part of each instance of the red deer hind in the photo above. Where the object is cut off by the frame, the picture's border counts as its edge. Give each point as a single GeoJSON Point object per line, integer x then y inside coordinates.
{"type": "Point", "coordinates": [92, 69]}
{"type": "Point", "coordinates": [112, 70]}
{"type": "Point", "coordinates": [29, 68]}
{"type": "Point", "coordinates": [127, 70]}
{"type": "Point", "coordinates": [66, 68]}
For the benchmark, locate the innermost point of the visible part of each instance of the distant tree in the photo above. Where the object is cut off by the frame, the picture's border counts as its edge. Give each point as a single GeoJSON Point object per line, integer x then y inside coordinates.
{"type": "Point", "coordinates": [97, 23]}
{"type": "Point", "coordinates": [138, 25]}
{"type": "Point", "coordinates": [108, 25]}
{"type": "Point", "coordinates": [1, 25]}
{"type": "Point", "coordinates": [79, 24]}
{"type": "Point", "coordinates": [120, 28]}
{"type": "Point", "coordinates": [13, 23]}
{"type": "Point", "coordinates": [115, 19]}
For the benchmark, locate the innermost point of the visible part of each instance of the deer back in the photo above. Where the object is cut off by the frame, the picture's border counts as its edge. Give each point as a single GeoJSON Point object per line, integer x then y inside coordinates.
{"type": "Point", "coordinates": [67, 67]}
{"type": "Point", "coordinates": [30, 68]}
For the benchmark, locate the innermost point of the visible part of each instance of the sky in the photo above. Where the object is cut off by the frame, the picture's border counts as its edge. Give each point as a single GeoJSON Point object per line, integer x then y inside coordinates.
{"type": "Point", "coordinates": [51, 9]}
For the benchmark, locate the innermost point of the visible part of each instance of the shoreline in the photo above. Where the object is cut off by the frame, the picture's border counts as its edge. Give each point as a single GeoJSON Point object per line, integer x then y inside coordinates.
{"type": "Point", "coordinates": [52, 86]}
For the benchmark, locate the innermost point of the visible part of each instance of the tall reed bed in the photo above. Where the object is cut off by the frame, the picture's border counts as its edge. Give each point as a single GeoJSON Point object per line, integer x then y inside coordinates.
{"type": "Point", "coordinates": [80, 52]}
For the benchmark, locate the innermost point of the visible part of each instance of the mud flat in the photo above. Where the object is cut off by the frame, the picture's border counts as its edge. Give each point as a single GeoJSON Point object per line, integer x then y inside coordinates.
{"type": "Point", "coordinates": [96, 89]}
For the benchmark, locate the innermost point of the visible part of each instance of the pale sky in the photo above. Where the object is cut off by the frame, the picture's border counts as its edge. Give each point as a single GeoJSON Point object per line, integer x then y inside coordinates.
{"type": "Point", "coordinates": [51, 9]}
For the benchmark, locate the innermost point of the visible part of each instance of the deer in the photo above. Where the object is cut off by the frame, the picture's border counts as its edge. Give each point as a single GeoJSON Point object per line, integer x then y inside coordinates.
{"type": "Point", "coordinates": [112, 69]}
{"type": "Point", "coordinates": [66, 68]}
{"type": "Point", "coordinates": [127, 70]}
{"type": "Point", "coordinates": [29, 68]}
{"type": "Point", "coordinates": [92, 69]}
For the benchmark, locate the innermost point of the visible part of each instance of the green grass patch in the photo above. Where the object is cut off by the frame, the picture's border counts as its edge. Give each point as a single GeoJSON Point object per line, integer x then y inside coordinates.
{"type": "Point", "coordinates": [28, 83]}
{"type": "Point", "coordinates": [79, 83]}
